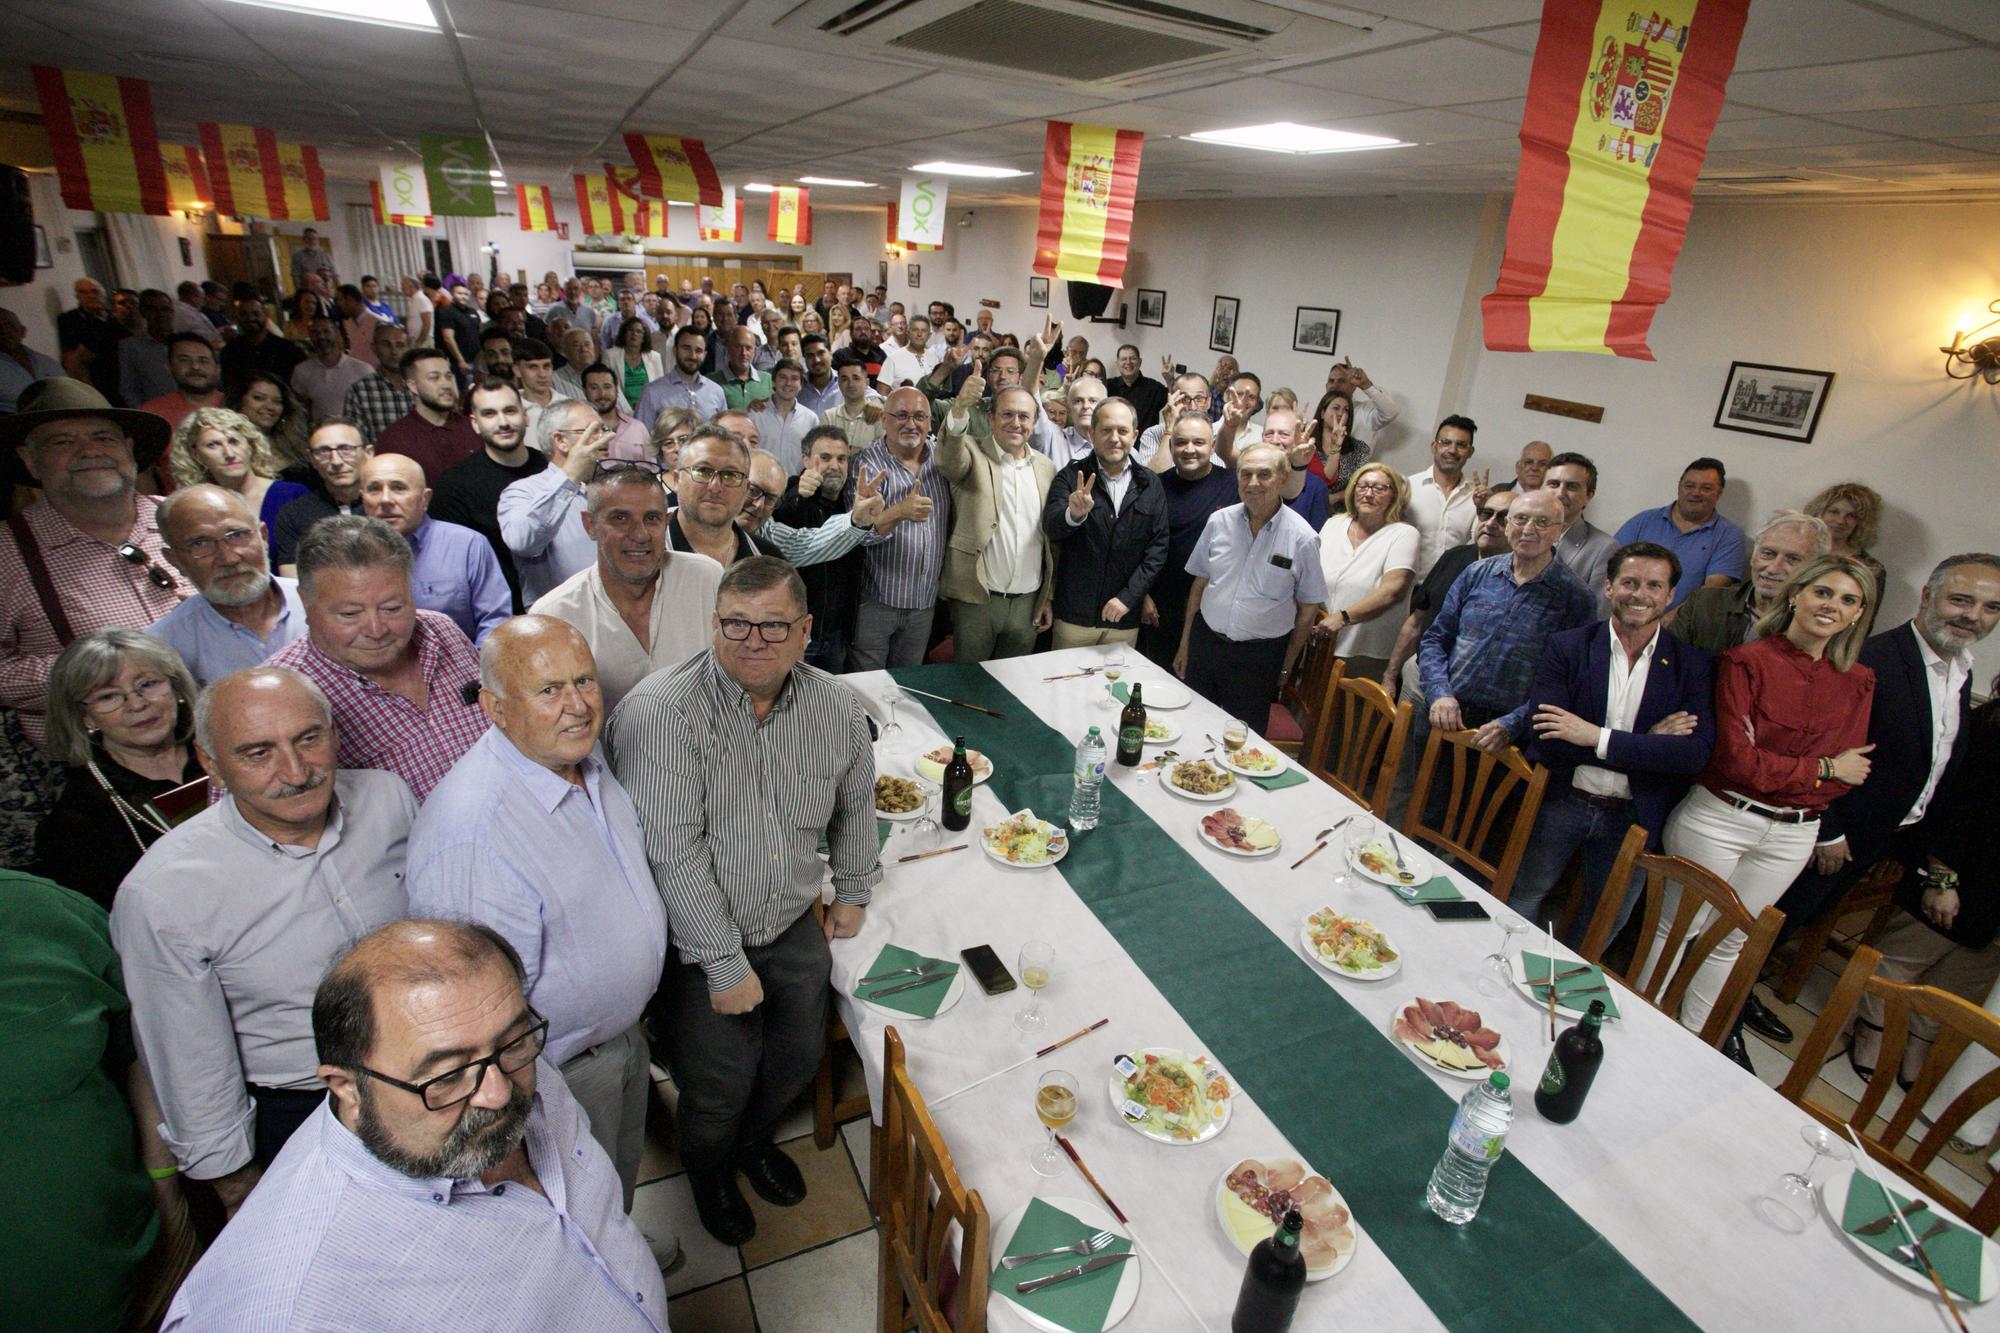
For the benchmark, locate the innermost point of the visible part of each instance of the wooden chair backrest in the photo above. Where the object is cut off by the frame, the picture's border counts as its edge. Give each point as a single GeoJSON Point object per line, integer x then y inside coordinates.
{"type": "Point", "coordinates": [1308, 694]}
{"type": "Point", "coordinates": [1481, 785]}
{"type": "Point", "coordinates": [919, 1200]}
{"type": "Point", "coordinates": [1372, 728]}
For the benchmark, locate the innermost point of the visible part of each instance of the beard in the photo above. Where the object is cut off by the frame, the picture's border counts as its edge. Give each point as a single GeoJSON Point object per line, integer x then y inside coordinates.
{"type": "Point", "coordinates": [481, 1140]}
{"type": "Point", "coordinates": [238, 592]}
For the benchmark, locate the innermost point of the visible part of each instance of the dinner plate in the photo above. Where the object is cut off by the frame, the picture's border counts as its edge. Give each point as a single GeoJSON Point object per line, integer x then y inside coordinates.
{"type": "Point", "coordinates": [1216, 798]}
{"type": "Point", "coordinates": [1382, 973]}
{"type": "Point", "coordinates": [1091, 1213]}
{"type": "Point", "coordinates": [1420, 865]}
{"type": "Point", "coordinates": [1227, 850]}
{"type": "Point", "coordinates": [900, 817]}
{"type": "Point", "coordinates": [1115, 1084]}
{"type": "Point", "coordinates": [1057, 850]}
{"type": "Point", "coordinates": [1833, 1197]}
{"type": "Point", "coordinates": [1167, 694]}
{"type": "Point", "coordinates": [1172, 733]}
{"type": "Point", "coordinates": [1224, 1197]}
{"type": "Point", "coordinates": [1477, 1074]}
{"type": "Point", "coordinates": [1228, 761]}
{"type": "Point", "coordinates": [954, 991]}
{"type": "Point", "coordinates": [925, 768]}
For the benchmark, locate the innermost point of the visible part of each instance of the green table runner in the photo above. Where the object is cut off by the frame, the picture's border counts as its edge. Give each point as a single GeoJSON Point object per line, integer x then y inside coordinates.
{"type": "Point", "coordinates": [1354, 1105]}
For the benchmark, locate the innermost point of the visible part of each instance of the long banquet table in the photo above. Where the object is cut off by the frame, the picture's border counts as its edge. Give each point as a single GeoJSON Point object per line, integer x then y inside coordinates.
{"type": "Point", "coordinates": [1639, 1214]}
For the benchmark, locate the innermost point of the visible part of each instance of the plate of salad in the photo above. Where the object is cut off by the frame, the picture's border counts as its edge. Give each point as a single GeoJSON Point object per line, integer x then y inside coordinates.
{"type": "Point", "coordinates": [1170, 1096]}
{"type": "Point", "coordinates": [1349, 946]}
{"type": "Point", "coordinates": [1254, 761]}
{"type": "Point", "coordinates": [1162, 731]}
{"type": "Point", "coordinates": [1024, 839]}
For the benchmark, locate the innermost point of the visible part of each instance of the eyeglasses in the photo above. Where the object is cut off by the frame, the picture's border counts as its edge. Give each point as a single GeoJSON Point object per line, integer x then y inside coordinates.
{"type": "Point", "coordinates": [202, 548]}
{"type": "Point", "coordinates": [729, 477]}
{"type": "Point", "coordinates": [158, 577]}
{"type": "Point", "coordinates": [456, 1085]}
{"type": "Point", "coordinates": [1380, 488]}
{"type": "Point", "coordinates": [1528, 521]}
{"type": "Point", "coordinates": [909, 416]}
{"type": "Point", "coordinates": [611, 467]}
{"type": "Point", "coordinates": [760, 496]}
{"type": "Point", "coordinates": [322, 453]}
{"type": "Point", "coordinates": [770, 631]}
{"type": "Point", "coordinates": [109, 700]}
{"type": "Point", "coordinates": [1488, 515]}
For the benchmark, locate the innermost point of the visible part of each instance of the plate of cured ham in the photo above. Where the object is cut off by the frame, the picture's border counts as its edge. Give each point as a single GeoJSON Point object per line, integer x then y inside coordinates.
{"type": "Point", "coordinates": [1230, 830]}
{"type": "Point", "coordinates": [1254, 1195]}
{"type": "Point", "coordinates": [1451, 1039]}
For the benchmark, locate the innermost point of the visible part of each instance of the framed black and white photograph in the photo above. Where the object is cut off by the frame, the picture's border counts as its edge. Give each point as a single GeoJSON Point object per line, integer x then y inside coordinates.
{"type": "Point", "coordinates": [1315, 329]}
{"type": "Point", "coordinates": [1222, 324]}
{"type": "Point", "coordinates": [42, 257]}
{"type": "Point", "coordinates": [1783, 402]}
{"type": "Point", "coordinates": [916, 275]}
{"type": "Point", "coordinates": [1152, 308]}
{"type": "Point", "coordinates": [187, 252]}
{"type": "Point", "coordinates": [882, 273]}
{"type": "Point", "coordinates": [1038, 293]}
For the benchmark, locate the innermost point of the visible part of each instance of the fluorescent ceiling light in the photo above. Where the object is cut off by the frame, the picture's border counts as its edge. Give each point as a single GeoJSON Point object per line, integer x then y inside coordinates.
{"type": "Point", "coordinates": [1285, 137]}
{"type": "Point", "coordinates": [389, 13]}
{"type": "Point", "coordinates": [967, 169]}
{"type": "Point", "coordinates": [758, 187]}
{"type": "Point", "coordinates": [835, 180]}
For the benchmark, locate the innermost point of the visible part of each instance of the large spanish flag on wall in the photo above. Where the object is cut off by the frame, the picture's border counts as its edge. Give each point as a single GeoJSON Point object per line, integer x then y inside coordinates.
{"type": "Point", "coordinates": [536, 209]}
{"type": "Point", "coordinates": [724, 223]}
{"type": "Point", "coordinates": [1621, 102]}
{"type": "Point", "coordinates": [384, 218]}
{"type": "Point", "coordinates": [243, 170]}
{"type": "Point", "coordinates": [305, 183]}
{"type": "Point", "coordinates": [791, 219]}
{"type": "Point", "coordinates": [895, 211]}
{"type": "Point", "coordinates": [106, 147]}
{"type": "Point", "coordinates": [601, 207]}
{"type": "Point", "coordinates": [671, 168]}
{"type": "Point", "coordinates": [187, 179]}
{"type": "Point", "coordinates": [1090, 174]}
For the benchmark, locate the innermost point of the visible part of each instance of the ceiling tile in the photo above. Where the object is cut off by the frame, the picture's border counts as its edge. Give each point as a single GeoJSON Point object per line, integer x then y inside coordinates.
{"type": "Point", "coordinates": [1784, 132]}
{"type": "Point", "coordinates": [1434, 73]}
{"type": "Point", "coordinates": [1784, 34]}
{"type": "Point", "coordinates": [1874, 85]}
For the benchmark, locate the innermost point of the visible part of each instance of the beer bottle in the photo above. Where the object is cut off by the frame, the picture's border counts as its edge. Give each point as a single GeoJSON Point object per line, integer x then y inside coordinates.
{"type": "Point", "coordinates": [957, 812]}
{"type": "Point", "coordinates": [1272, 1281]}
{"type": "Point", "coordinates": [1132, 729]}
{"type": "Point", "coordinates": [1571, 1068]}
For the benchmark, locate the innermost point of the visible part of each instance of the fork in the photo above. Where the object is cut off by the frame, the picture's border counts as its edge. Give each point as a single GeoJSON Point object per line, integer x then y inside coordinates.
{"type": "Point", "coordinates": [918, 971]}
{"type": "Point", "coordinates": [1908, 1253]}
{"type": "Point", "coordinates": [1403, 870]}
{"type": "Point", "coordinates": [1090, 1244]}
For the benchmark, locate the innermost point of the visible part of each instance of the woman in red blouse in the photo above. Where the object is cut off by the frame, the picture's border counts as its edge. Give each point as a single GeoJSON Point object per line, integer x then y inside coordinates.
{"type": "Point", "coordinates": [1791, 733]}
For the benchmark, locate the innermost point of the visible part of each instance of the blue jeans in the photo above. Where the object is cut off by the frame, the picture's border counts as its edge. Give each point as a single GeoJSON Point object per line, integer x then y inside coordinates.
{"type": "Point", "coordinates": [1564, 825]}
{"type": "Point", "coordinates": [828, 651]}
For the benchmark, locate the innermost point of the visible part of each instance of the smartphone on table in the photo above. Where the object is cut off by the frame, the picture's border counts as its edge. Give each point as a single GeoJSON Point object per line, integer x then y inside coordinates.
{"type": "Point", "coordinates": [1462, 909]}
{"type": "Point", "coordinates": [987, 969]}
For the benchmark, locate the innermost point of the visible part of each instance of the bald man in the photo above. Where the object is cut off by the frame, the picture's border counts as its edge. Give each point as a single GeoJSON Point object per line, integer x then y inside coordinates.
{"type": "Point", "coordinates": [1530, 468]}
{"type": "Point", "coordinates": [454, 570]}
{"type": "Point", "coordinates": [244, 613]}
{"type": "Point", "coordinates": [532, 835]}
{"type": "Point", "coordinates": [87, 336]}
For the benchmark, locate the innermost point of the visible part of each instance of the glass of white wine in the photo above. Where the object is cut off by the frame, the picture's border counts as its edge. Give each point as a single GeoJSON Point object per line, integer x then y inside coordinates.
{"type": "Point", "coordinates": [1055, 1105]}
{"type": "Point", "coordinates": [1114, 662]}
{"type": "Point", "coordinates": [1037, 961]}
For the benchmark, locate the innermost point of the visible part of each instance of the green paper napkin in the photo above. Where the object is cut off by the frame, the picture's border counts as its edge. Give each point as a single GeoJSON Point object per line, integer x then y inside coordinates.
{"type": "Point", "coordinates": [921, 1002]}
{"type": "Point", "coordinates": [1080, 1304]}
{"type": "Point", "coordinates": [1957, 1254]}
{"type": "Point", "coordinates": [1291, 777]}
{"type": "Point", "coordinates": [1123, 696]}
{"type": "Point", "coordinates": [1438, 890]}
{"type": "Point", "coordinates": [1537, 965]}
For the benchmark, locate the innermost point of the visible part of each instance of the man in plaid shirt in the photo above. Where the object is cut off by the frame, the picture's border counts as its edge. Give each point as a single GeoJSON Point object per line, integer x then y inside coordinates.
{"type": "Point", "coordinates": [377, 401]}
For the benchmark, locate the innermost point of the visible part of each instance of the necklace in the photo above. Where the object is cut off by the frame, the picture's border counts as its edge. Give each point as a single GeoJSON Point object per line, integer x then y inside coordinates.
{"type": "Point", "coordinates": [129, 812]}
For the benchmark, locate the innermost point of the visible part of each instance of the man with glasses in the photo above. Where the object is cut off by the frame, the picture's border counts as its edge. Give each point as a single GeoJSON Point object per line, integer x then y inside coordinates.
{"type": "Point", "coordinates": [400, 1202]}
{"type": "Point", "coordinates": [899, 576]}
{"type": "Point", "coordinates": [739, 761]}
{"type": "Point", "coordinates": [712, 484]}
{"type": "Point", "coordinates": [541, 516]}
{"type": "Point", "coordinates": [244, 613]}
{"type": "Point", "coordinates": [336, 451]}
{"type": "Point", "coordinates": [531, 834]}
{"type": "Point", "coordinates": [453, 572]}
{"type": "Point", "coordinates": [1489, 537]}
{"type": "Point", "coordinates": [225, 921]}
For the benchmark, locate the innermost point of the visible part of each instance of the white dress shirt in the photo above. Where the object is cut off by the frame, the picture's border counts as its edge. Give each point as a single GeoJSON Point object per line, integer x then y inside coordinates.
{"type": "Point", "coordinates": [1442, 521]}
{"type": "Point", "coordinates": [1250, 595]}
{"type": "Point", "coordinates": [682, 602]}
{"type": "Point", "coordinates": [1621, 706]}
{"type": "Point", "coordinates": [783, 437]}
{"type": "Point", "coordinates": [1014, 554]}
{"type": "Point", "coordinates": [1944, 678]}
{"type": "Point", "coordinates": [1353, 572]}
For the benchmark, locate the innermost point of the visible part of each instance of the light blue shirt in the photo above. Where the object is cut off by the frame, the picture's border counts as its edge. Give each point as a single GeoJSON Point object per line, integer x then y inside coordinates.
{"type": "Point", "coordinates": [557, 868]}
{"type": "Point", "coordinates": [15, 377]}
{"type": "Point", "coordinates": [541, 520]}
{"type": "Point", "coordinates": [701, 394]}
{"type": "Point", "coordinates": [608, 331]}
{"type": "Point", "coordinates": [824, 400]}
{"type": "Point", "coordinates": [333, 1237]}
{"type": "Point", "coordinates": [214, 647]}
{"type": "Point", "coordinates": [1716, 547]}
{"type": "Point", "coordinates": [456, 574]}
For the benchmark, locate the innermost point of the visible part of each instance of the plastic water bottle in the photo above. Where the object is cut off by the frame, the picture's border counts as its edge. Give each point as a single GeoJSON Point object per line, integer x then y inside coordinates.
{"type": "Point", "coordinates": [1477, 1133]}
{"type": "Point", "coordinates": [1085, 797]}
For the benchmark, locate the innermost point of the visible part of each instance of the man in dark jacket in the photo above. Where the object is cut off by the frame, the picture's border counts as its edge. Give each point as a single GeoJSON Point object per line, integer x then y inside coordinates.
{"type": "Point", "coordinates": [822, 489]}
{"type": "Point", "coordinates": [1108, 521]}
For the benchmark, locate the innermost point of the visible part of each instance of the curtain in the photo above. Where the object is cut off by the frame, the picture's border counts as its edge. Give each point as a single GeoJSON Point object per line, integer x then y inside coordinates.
{"type": "Point", "coordinates": [468, 237]}
{"type": "Point", "coordinates": [136, 251]}
{"type": "Point", "coordinates": [390, 253]}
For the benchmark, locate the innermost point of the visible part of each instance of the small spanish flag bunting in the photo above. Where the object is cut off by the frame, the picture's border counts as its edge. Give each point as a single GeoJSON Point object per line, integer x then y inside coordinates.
{"type": "Point", "coordinates": [305, 183]}
{"type": "Point", "coordinates": [894, 217]}
{"type": "Point", "coordinates": [643, 217]}
{"type": "Point", "coordinates": [106, 146]}
{"type": "Point", "coordinates": [536, 209]}
{"type": "Point", "coordinates": [1090, 174]}
{"type": "Point", "coordinates": [676, 169]}
{"type": "Point", "coordinates": [724, 223]}
{"type": "Point", "coordinates": [599, 206]}
{"type": "Point", "coordinates": [384, 218]}
{"type": "Point", "coordinates": [1622, 100]}
{"type": "Point", "coordinates": [187, 179]}
{"type": "Point", "coordinates": [791, 216]}
{"type": "Point", "coordinates": [244, 171]}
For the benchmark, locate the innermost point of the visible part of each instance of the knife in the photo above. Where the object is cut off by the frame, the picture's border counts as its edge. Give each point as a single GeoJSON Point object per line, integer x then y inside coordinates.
{"type": "Point", "coordinates": [1090, 1265]}
{"type": "Point", "coordinates": [909, 985]}
{"type": "Point", "coordinates": [1887, 1220]}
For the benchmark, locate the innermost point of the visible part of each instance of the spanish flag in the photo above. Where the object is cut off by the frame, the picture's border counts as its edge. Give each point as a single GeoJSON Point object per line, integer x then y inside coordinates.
{"type": "Point", "coordinates": [643, 217]}
{"type": "Point", "coordinates": [895, 214]}
{"type": "Point", "coordinates": [601, 207]}
{"type": "Point", "coordinates": [724, 223]}
{"type": "Point", "coordinates": [671, 168]}
{"type": "Point", "coordinates": [791, 216]}
{"type": "Point", "coordinates": [1090, 174]}
{"type": "Point", "coordinates": [244, 171]}
{"type": "Point", "coordinates": [1621, 104]}
{"type": "Point", "coordinates": [305, 183]}
{"type": "Point", "coordinates": [536, 209]}
{"type": "Point", "coordinates": [187, 179]}
{"type": "Point", "coordinates": [384, 218]}
{"type": "Point", "coordinates": [106, 147]}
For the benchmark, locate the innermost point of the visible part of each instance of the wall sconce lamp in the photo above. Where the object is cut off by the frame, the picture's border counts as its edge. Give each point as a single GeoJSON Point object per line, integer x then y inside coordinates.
{"type": "Point", "coordinates": [1977, 350]}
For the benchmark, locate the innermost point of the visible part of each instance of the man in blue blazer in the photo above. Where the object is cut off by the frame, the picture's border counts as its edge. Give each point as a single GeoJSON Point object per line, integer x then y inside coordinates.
{"type": "Point", "coordinates": [1623, 717]}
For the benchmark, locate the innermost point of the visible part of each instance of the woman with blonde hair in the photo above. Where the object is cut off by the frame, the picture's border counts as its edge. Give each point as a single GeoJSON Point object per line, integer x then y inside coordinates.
{"type": "Point", "coordinates": [838, 321]}
{"type": "Point", "coordinates": [224, 448]}
{"type": "Point", "coordinates": [1369, 556]}
{"type": "Point", "coordinates": [1852, 513]}
{"type": "Point", "coordinates": [1791, 736]}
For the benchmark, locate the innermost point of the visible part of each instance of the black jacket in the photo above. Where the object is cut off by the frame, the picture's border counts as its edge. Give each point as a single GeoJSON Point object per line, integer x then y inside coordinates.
{"type": "Point", "coordinates": [1108, 555]}
{"type": "Point", "coordinates": [1964, 834]}
{"type": "Point", "coordinates": [833, 587]}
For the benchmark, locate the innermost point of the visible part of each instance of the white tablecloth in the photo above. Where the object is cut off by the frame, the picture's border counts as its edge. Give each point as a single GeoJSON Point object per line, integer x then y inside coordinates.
{"type": "Point", "coordinates": [1672, 1149]}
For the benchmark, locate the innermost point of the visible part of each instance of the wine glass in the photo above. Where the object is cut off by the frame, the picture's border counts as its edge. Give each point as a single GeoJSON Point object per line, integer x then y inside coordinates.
{"type": "Point", "coordinates": [1496, 970]}
{"type": "Point", "coordinates": [1114, 662]}
{"type": "Point", "coordinates": [1794, 1199]}
{"type": "Point", "coordinates": [1055, 1106]}
{"type": "Point", "coordinates": [891, 727]}
{"type": "Point", "coordinates": [926, 829]}
{"type": "Point", "coordinates": [1037, 961]}
{"type": "Point", "coordinates": [1234, 733]}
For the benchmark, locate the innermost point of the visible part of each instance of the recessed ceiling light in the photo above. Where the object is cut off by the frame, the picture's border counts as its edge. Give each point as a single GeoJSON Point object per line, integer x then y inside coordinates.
{"type": "Point", "coordinates": [388, 13]}
{"type": "Point", "coordinates": [835, 180]}
{"type": "Point", "coordinates": [1285, 137]}
{"type": "Point", "coordinates": [967, 169]}
{"type": "Point", "coordinates": [758, 187]}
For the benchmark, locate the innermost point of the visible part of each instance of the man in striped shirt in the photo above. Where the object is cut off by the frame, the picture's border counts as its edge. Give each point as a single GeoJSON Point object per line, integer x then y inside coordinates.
{"type": "Point", "coordinates": [899, 579]}
{"type": "Point", "coordinates": [738, 760]}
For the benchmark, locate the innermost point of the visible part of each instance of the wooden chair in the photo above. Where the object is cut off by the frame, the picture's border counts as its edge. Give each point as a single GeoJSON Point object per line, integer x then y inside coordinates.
{"type": "Point", "coordinates": [1298, 721]}
{"type": "Point", "coordinates": [1483, 786]}
{"type": "Point", "coordinates": [829, 1108]}
{"type": "Point", "coordinates": [1960, 1024]}
{"type": "Point", "coordinates": [1874, 892]}
{"type": "Point", "coordinates": [1372, 728]}
{"type": "Point", "coordinates": [925, 1277]}
{"type": "Point", "coordinates": [1666, 985]}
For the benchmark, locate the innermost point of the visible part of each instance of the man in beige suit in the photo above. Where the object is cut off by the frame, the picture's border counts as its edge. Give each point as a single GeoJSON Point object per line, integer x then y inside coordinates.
{"type": "Point", "coordinates": [999, 571]}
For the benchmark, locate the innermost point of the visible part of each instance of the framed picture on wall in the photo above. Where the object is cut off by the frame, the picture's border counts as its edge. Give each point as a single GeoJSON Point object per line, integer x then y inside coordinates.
{"type": "Point", "coordinates": [1038, 293]}
{"type": "Point", "coordinates": [42, 258]}
{"type": "Point", "coordinates": [1152, 308]}
{"type": "Point", "coordinates": [1222, 324]}
{"type": "Point", "coordinates": [916, 275]}
{"type": "Point", "coordinates": [1315, 329]}
{"type": "Point", "coordinates": [1783, 402]}
{"type": "Point", "coordinates": [187, 252]}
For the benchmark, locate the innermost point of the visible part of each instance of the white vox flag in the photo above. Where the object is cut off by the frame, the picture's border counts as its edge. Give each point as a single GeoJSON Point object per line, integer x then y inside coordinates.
{"type": "Point", "coordinates": [920, 214]}
{"type": "Point", "coordinates": [404, 189]}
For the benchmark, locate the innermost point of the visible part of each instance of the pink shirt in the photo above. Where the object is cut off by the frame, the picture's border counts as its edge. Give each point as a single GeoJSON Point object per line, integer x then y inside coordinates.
{"type": "Point", "coordinates": [631, 442]}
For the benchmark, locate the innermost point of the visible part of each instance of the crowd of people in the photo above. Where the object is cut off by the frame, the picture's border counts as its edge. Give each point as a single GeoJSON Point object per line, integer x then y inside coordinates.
{"type": "Point", "coordinates": [432, 718]}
